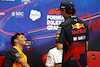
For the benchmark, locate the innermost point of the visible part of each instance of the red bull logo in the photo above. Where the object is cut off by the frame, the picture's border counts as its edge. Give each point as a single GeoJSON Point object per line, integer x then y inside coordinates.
{"type": "Point", "coordinates": [78, 26]}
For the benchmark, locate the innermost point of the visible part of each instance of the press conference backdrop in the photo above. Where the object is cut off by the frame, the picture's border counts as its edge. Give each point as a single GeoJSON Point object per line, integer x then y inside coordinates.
{"type": "Point", "coordinates": [39, 20]}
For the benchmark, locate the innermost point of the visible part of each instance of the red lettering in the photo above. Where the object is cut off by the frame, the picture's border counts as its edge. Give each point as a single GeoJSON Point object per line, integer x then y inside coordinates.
{"type": "Point", "coordinates": [89, 26]}
{"type": "Point", "coordinates": [96, 26]}
{"type": "Point", "coordinates": [79, 31]}
{"type": "Point", "coordinates": [53, 11]}
{"type": "Point", "coordinates": [83, 31]}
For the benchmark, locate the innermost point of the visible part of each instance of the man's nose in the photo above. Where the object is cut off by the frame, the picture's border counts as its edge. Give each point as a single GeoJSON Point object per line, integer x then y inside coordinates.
{"type": "Point", "coordinates": [25, 39]}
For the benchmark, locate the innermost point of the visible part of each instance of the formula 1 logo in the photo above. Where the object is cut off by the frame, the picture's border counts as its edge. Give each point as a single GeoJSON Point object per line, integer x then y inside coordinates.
{"type": "Point", "coordinates": [53, 11]}
{"type": "Point", "coordinates": [78, 26]}
{"type": "Point", "coordinates": [54, 19]}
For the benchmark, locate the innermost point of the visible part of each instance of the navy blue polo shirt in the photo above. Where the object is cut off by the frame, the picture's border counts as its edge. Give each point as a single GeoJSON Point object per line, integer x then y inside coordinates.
{"type": "Point", "coordinates": [73, 34]}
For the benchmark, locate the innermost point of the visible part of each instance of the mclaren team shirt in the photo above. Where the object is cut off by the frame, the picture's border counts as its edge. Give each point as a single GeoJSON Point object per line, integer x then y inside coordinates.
{"type": "Point", "coordinates": [73, 34]}
{"type": "Point", "coordinates": [12, 56]}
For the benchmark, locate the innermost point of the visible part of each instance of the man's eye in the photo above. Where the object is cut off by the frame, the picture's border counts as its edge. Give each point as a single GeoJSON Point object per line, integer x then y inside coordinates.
{"type": "Point", "coordinates": [21, 37]}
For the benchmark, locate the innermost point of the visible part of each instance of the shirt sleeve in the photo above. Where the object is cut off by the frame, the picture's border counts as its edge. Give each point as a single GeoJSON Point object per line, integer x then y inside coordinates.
{"type": "Point", "coordinates": [60, 38]}
{"type": "Point", "coordinates": [50, 59]}
{"type": "Point", "coordinates": [14, 55]}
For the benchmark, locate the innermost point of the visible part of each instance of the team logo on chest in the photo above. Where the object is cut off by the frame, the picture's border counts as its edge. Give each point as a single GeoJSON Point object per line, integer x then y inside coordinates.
{"type": "Point", "coordinates": [77, 26]}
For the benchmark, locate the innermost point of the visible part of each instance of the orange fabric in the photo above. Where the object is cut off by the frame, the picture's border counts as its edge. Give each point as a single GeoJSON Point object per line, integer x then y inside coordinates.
{"type": "Point", "coordinates": [22, 55]}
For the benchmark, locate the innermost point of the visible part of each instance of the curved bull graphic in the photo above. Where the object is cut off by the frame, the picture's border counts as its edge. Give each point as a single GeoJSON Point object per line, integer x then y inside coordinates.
{"type": "Point", "coordinates": [74, 51]}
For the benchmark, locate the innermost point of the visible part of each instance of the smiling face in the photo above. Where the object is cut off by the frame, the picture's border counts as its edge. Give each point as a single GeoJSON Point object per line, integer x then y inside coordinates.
{"type": "Point", "coordinates": [21, 40]}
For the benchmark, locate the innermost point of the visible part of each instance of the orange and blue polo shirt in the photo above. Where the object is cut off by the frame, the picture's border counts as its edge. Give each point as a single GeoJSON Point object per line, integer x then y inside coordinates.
{"type": "Point", "coordinates": [12, 56]}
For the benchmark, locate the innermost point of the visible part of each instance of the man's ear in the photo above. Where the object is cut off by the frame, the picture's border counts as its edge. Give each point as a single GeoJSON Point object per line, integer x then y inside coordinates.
{"type": "Point", "coordinates": [15, 40]}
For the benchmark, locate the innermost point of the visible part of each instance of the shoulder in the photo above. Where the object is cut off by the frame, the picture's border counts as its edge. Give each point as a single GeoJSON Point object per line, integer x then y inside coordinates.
{"type": "Point", "coordinates": [67, 23]}
{"type": "Point", "coordinates": [81, 21]}
{"type": "Point", "coordinates": [12, 50]}
{"type": "Point", "coordinates": [53, 50]}
{"type": "Point", "coordinates": [85, 24]}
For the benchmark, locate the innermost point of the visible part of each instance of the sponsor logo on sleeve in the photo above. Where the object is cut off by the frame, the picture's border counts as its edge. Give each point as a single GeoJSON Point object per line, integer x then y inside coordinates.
{"type": "Point", "coordinates": [17, 54]}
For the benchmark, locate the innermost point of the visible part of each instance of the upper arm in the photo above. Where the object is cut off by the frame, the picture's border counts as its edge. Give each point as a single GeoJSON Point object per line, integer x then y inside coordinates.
{"type": "Point", "coordinates": [86, 45]}
{"type": "Point", "coordinates": [23, 63]}
{"type": "Point", "coordinates": [50, 59]}
{"type": "Point", "coordinates": [60, 38]}
{"type": "Point", "coordinates": [14, 55]}
{"type": "Point", "coordinates": [87, 37]}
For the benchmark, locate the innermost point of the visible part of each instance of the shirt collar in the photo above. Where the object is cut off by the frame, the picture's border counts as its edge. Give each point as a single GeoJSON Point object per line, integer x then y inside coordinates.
{"type": "Point", "coordinates": [17, 49]}
{"type": "Point", "coordinates": [72, 17]}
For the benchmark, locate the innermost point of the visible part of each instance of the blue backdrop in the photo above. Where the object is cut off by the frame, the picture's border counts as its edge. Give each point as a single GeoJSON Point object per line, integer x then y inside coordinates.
{"type": "Point", "coordinates": [39, 20]}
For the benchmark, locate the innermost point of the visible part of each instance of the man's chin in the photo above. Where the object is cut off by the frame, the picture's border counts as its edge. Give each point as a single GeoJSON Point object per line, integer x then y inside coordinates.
{"type": "Point", "coordinates": [24, 44]}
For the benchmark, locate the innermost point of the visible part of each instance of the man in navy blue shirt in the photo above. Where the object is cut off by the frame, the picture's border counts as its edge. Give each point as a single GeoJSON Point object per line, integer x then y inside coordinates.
{"type": "Point", "coordinates": [72, 37]}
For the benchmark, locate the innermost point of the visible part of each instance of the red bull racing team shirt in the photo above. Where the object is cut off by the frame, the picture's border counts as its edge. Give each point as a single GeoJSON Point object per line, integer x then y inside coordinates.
{"type": "Point", "coordinates": [73, 34]}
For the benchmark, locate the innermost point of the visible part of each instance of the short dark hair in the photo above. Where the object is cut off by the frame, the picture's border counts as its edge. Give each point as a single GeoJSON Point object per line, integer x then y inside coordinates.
{"type": "Point", "coordinates": [15, 37]}
{"type": "Point", "coordinates": [68, 5]}
{"type": "Point", "coordinates": [71, 11]}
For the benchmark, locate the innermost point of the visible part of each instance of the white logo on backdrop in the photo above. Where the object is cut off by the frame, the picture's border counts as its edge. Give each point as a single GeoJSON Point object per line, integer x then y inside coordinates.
{"type": "Point", "coordinates": [25, 1]}
{"type": "Point", "coordinates": [18, 14]}
{"type": "Point", "coordinates": [34, 15]}
{"type": "Point", "coordinates": [2, 13]}
{"type": "Point", "coordinates": [8, 0]}
{"type": "Point", "coordinates": [53, 21]}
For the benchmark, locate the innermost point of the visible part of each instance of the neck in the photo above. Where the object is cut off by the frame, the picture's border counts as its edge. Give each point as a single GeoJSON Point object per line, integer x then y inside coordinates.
{"type": "Point", "coordinates": [19, 46]}
{"type": "Point", "coordinates": [67, 15]}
